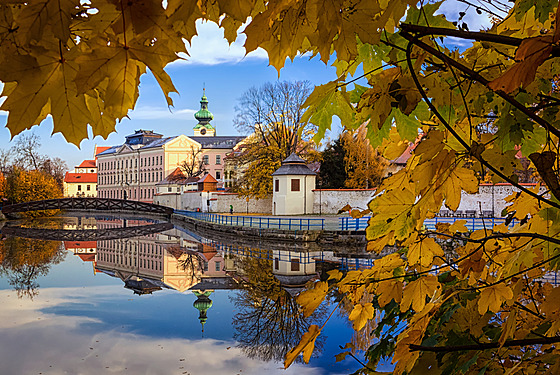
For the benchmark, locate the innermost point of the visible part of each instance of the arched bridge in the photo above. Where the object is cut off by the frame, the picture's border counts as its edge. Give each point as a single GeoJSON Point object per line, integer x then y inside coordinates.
{"type": "Point", "coordinates": [89, 204]}
{"type": "Point", "coordinates": [85, 234]}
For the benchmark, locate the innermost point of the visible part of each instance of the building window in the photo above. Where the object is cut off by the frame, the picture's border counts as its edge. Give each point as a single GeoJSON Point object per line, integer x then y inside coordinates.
{"type": "Point", "coordinates": [294, 264]}
{"type": "Point", "coordinates": [218, 266]}
{"type": "Point", "coordinates": [218, 175]}
{"type": "Point", "coordinates": [218, 159]}
{"type": "Point", "coordinates": [277, 185]}
{"type": "Point", "coordinates": [169, 189]}
{"type": "Point", "coordinates": [205, 160]}
{"type": "Point", "coordinates": [295, 184]}
{"type": "Point", "coordinates": [79, 187]}
{"type": "Point", "coordinates": [88, 188]}
{"type": "Point", "coordinates": [205, 266]}
{"type": "Point", "coordinates": [276, 263]}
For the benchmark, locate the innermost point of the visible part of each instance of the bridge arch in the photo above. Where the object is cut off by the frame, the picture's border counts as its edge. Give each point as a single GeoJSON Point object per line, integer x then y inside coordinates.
{"type": "Point", "coordinates": [89, 204]}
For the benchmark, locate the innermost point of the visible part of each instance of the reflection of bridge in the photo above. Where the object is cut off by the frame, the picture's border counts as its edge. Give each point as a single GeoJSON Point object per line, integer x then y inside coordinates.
{"type": "Point", "coordinates": [89, 204]}
{"type": "Point", "coordinates": [86, 234]}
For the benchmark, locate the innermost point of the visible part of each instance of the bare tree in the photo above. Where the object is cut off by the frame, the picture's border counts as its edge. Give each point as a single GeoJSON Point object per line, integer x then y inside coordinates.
{"type": "Point", "coordinates": [273, 112]}
{"type": "Point", "coordinates": [193, 165]}
{"type": "Point", "coordinates": [55, 167]}
{"type": "Point", "coordinates": [26, 151]}
{"type": "Point", "coordinates": [5, 160]}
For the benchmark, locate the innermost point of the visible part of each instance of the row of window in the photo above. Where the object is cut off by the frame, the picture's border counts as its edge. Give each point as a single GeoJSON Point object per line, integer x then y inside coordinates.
{"type": "Point", "coordinates": [126, 163]}
{"type": "Point", "coordinates": [131, 261]}
{"type": "Point", "coordinates": [206, 159]}
{"type": "Point", "coordinates": [123, 194]}
{"type": "Point", "coordinates": [88, 187]}
{"type": "Point", "coordinates": [144, 177]}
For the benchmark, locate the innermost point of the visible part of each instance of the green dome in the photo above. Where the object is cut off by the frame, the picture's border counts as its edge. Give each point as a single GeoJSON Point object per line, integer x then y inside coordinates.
{"type": "Point", "coordinates": [202, 304]}
{"type": "Point", "coordinates": [204, 116]}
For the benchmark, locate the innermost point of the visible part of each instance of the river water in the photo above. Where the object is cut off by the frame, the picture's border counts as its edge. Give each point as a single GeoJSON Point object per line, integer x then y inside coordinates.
{"type": "Point", "coordinates": [91, 295]}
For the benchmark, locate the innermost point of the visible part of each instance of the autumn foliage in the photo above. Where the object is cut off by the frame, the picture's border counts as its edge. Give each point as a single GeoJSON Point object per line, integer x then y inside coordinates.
{"type": "Point", "coordinates": [482, 305]}
{"type": "Point", "coordinates": [27, 186]}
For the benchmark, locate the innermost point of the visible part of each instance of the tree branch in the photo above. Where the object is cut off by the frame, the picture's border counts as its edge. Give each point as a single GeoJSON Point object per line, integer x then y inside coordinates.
{"type": "Point", "coordinates": [470, 35]}
{"type": "Point", "coordinates": [485, 346]}
{"type": "Point", "coordinates": [412, 40]}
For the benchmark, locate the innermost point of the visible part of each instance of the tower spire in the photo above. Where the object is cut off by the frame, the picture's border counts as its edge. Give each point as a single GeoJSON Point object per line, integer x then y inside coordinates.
{"type": "Point", "coordinates": [204, 116]}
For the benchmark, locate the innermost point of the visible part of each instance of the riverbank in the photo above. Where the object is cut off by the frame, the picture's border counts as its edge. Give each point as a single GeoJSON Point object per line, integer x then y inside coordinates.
{"type": "Point", "coordinates": [305, 239]}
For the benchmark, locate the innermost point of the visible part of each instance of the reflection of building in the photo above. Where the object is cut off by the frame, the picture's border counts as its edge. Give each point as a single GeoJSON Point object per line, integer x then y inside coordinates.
{"type": "Point", "coordinates": [164, 260]}
{"type": "Point", "coordinates": [202, 304]}
{"type": "Point", "coordinates": [86, 250]}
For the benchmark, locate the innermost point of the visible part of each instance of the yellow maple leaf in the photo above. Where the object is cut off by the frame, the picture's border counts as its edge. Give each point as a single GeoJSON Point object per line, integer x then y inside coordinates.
{"type": "Point", "coordinates": [459, 179]}
{"type": "Point", "coordinates": [312, 298]}
{"type": "Point", "coordinates": [305, 346]}
{"type": "Point", "coordinates": [389, 290]}
{"type": "Point", "coordinates": [458, 226]}
{"type": "Point", "coordinates": [394, 211]}
{"type": "Point", "coordinates": [361, 314]}
{"type": "Point", "coordinates": [492, 297]}
{"type": "Point", "coordinates": [415, 292]}
{"type": "Point", "coordinates": [422, 252]}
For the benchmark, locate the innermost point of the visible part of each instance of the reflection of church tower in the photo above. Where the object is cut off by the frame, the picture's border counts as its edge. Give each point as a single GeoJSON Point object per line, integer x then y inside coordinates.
{"type": "Point", "coordinates": [202, 304]}
{"type": "Point", "coordinates": [204, 116]}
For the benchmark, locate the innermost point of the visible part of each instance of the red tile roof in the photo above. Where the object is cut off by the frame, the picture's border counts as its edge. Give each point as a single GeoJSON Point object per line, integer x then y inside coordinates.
{"type": "Point", "coordinates": [88, 178]}
{"type": "Point", "coordinates": [80, 244]}
{"type": "Point", "coordinates": [207, 178]}
{"type": "Point", "coordinates": [87, 257]}
{"type": "Point", "coordinates": [88, 164]}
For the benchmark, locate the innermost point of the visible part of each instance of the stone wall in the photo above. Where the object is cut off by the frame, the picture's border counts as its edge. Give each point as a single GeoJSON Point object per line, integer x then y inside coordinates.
{"type": "Point", "coordinates": [329, 201]}
{"type": "Point", "coordinates": [219, 202]}
{"type": "Point", "coordinates": [489, 198]}
{"type": "Point", "coordinates": [240, 204]}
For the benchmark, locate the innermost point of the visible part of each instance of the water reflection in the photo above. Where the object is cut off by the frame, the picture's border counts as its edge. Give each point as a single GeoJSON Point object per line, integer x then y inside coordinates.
{"type": "Point", "coordinates": [23, 260]}
{"type": "Point", "coordinates": [260, 284]}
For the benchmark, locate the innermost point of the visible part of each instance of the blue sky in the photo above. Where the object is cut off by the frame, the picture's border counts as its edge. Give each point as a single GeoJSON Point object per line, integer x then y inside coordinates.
{"type": "Point", "coordinates": [224, 70]}
{"type": "Point", "coordinates": [226, 73]}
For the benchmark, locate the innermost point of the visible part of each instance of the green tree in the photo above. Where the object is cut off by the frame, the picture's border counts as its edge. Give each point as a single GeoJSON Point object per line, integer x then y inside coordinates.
{"type": "Point", "coordinates": [332, 173]}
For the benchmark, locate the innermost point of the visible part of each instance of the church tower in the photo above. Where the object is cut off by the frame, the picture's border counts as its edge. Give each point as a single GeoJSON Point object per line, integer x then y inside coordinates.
{"type": "Point", "coordinates": [204, 116]}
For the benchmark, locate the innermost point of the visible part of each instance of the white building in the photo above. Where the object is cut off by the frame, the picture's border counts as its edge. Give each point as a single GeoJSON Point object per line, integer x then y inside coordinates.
{"type": "Point", "coordinates": [293, 185]}
{"type": "Point", "coordinates": [132, 170]}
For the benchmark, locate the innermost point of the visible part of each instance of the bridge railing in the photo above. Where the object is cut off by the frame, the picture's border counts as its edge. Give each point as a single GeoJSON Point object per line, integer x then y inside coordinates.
{"type": "Point", "coordinates": [257, 221]}
{"type": "Point", "coordinates": [472, 223]}
{"type": "Point", "coordinates": [98, 204]}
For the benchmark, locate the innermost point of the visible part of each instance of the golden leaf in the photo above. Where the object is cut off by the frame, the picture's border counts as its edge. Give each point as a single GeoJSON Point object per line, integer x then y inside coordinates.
{"type": "Point", "coordinates": [305, 346]}
{"type": "Point", "coordinates": [530, 55]}
{"type": "Point", "coordinates": [423, 252]}
{"type": "Point", "coordinates": [361, 314]}
{"type": "Point", "coordinates": [415, 292]}
{"type": "Point", "coordinates": [492, 297]}
{"type": "Point", "coordinates": [312, 298]}
{"type": "Point", "coordinates": [458, 226]}
{"type": "Point", "coordinates": [508, 329]}
{"type": "Point", "coordinates": [389, 290]}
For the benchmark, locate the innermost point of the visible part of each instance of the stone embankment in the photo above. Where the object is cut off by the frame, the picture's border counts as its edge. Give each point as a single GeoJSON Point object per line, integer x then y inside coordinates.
{"type": "Point", "coordinates": [303, 239]}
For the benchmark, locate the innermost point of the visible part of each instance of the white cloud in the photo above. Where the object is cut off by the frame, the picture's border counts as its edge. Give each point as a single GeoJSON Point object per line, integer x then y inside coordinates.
{"type": "Point", "coordinates": [34, 341]}
{"type": "Point", "coordinates": [147, 112]}
{"type": "Point", "coordinates": [210, 47]}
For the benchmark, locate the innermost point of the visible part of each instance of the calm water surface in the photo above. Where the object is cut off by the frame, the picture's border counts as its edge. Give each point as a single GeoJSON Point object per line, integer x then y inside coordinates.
{"type": "Point", "coordinates": [164, 303]}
